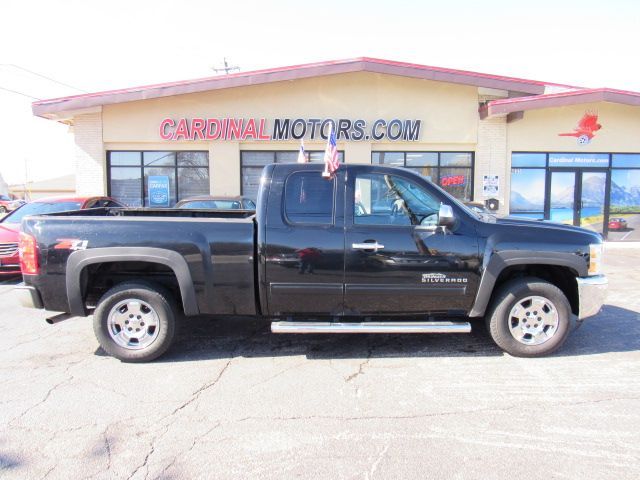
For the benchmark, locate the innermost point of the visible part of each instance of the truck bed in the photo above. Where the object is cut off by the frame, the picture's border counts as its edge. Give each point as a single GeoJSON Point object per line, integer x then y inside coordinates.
{"type": "Point", "coordinates": [216, 249]}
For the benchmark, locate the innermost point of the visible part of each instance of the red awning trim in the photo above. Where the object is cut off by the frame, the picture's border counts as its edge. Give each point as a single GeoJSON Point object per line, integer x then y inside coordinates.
{"type": "Point", "coordinates": [574, 97]}
{"type": "Point", "coordinates": [53, 106]}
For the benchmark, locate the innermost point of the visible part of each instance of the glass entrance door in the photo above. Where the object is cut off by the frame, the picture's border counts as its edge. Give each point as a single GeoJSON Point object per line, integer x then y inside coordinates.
{"type": "Point", "coordinates": [562, 197]}
{"type": "Point", "coordinates": [577, 197]}
{"type": "Point", "coordinates": [592, 190]}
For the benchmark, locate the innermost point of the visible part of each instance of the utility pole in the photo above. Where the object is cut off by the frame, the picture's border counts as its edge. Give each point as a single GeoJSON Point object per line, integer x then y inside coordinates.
{"type": "Point", "coordinates": [226, 69]}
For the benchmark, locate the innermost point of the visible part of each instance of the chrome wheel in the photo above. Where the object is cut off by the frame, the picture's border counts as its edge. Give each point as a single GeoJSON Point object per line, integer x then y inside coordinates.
{"type": "Point", "coordinates": [133, 324]}
{"type": "Point", "coordinates": [533, 320]}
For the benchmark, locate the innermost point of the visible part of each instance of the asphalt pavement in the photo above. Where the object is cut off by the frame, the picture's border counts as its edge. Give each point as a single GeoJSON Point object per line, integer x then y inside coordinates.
{"type": "Point", "coordinates": [231, 400]}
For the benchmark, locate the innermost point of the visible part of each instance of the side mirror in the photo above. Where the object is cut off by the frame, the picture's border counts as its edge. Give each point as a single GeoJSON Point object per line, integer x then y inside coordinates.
{"type": "Point", "coordinates": [445, 216]}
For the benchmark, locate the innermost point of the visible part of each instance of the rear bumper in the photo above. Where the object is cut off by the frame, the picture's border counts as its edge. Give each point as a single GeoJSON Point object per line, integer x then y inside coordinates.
{"type": "Point", "coordinates": [591, 294]}
{"type": "Point", "coordinates": [9, 265]}
{"type": "Point", "coordinates": [28, 296]}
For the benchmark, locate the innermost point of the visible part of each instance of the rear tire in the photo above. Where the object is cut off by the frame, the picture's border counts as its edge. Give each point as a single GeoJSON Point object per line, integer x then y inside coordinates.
{"type": "Point", "coordinates": [135, 321]}
{"type": "Point", "coordinates": [529, 317]}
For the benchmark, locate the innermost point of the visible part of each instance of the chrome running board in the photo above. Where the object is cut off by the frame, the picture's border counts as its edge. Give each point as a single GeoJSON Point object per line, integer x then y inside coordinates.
{"type": "Point", "coordinates": [370, 327]}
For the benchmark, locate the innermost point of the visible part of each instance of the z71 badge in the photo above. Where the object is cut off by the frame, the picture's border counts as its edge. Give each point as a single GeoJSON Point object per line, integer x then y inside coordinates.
{"type": "Point", "coordinates": [71, 244]}
{"type": "Point", "coordinates": [441, 278]}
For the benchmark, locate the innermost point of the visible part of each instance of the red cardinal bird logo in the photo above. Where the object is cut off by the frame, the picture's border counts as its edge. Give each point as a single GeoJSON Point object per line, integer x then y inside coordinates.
{"type": "Point", "coordinates": [586, 129]}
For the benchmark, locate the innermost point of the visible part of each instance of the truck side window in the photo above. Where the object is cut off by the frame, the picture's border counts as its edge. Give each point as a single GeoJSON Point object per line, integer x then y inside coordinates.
{"type": "Point", "coordinates": [309, 198]}
{"type": "Point", "coordinates": [381, 199]}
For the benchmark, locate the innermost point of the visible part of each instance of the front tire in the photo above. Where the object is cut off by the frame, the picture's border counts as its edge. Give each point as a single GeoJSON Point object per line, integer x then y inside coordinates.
{"type": "Point", "coordinates": [529, 317]}
{"type": "Point", "coordinates": [135, 321]}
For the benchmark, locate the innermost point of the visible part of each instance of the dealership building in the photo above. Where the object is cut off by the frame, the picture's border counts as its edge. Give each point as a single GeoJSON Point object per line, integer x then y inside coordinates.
{"type": "Point", "coordinates": [542, 150]}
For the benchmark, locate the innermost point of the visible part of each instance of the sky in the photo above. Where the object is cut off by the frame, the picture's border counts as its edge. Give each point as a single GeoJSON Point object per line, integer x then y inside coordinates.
{"type": "Point", "coordinates": [91, 46]}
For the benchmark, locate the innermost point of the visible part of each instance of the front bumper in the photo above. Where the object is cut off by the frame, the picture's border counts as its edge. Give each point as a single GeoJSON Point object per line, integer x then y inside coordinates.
{"type": "Point", "coordinates": [28, 296]}
{"type": "Point", "coordinates": [591, 294]}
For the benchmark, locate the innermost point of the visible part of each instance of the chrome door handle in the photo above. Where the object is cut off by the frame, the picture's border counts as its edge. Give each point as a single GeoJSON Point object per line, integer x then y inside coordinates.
{"type": "Point", "coordinates": [375, 246]}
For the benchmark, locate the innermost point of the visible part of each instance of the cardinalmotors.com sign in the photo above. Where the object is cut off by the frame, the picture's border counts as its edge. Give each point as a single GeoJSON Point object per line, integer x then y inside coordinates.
{"type": "Point", "coordinates": [260, 129]}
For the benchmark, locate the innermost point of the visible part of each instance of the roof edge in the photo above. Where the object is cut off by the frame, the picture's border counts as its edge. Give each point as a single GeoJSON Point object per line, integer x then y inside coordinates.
{"type": "Point", "coordinates": [48, 108]}
{"type": "Point", "coordinates": [575, 97]}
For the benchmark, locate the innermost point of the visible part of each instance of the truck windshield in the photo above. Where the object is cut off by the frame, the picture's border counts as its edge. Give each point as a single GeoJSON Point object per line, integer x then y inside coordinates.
{"type": "Point", "coordinates": [39, 208]}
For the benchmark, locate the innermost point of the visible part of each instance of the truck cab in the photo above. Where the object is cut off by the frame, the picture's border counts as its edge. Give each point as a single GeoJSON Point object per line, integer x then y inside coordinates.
{"type": "Point", "coordinates": [369, 241]}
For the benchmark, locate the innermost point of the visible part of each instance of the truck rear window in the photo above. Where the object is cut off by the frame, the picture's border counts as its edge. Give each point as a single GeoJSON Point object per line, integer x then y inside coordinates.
{"type": "Point", "coordinates": [309, 198]}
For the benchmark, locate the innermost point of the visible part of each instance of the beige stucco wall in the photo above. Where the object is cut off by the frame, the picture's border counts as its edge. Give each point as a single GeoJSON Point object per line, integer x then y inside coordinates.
{"type": "Point", "coordinates": [538, 130]}
{"type": "Point", "coordinates": [448, 113]}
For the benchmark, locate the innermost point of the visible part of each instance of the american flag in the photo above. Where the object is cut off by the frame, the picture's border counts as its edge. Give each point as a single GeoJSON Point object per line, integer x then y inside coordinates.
{"type": "Point", "coordinates": [302, 158]}
{"type": "Point", "coordinates": [331, 160]}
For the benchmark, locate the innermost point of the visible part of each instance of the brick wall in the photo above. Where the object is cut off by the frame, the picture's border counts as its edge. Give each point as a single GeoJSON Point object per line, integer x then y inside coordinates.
{"type": "Point", "coordinates": [89, 155]}
{"type": "Point", "coordinates": [491, 158]}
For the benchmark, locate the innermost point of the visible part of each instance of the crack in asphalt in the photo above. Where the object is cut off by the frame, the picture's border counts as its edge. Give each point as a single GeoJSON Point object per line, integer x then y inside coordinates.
{"type": "Point", "coordinates": [49, 392]}
{"type": "Point", "coordinates": [424, 415]}
{"type": "Point", "coordinates": [193, 398]}
{"type": "Point", "coordinates": [376, 462]}
{"type": "Point", "coordinates": [191, 447]}
{"type": "Point", "coordinates": [48, 472]}
{"type": "Point", "coordinates": [362, 365]}
{"type": "Point", "coordinates": [107, 445]}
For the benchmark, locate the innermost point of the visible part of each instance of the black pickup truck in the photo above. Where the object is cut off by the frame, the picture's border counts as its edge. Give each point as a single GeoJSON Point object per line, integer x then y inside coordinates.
{"type": "Point", "coordinates": [372, 250]}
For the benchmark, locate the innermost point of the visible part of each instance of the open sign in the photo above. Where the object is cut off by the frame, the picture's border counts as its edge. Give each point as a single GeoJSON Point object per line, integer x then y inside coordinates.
{"type": "Point", "coordinates": [450, 180]}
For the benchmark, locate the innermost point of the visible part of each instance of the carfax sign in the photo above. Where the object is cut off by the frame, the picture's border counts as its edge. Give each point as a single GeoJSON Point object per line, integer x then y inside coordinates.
{"type": "Point", "coordinates": [158, 189]}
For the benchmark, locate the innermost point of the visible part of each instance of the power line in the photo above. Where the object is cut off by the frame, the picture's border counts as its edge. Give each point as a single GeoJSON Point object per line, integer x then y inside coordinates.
{"type": "Point", "coordinates": [19, 93]}
{"type": "Point", "coordinates": [41, 76]}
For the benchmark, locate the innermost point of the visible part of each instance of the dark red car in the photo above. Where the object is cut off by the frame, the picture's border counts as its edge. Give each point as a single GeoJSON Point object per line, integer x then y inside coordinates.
{"type": "Point", "coordinates": [617, 223]}
{"type": "Point", "coordinates": [7, 204]}
{"type": "Point", "coordinates": [10, 225]}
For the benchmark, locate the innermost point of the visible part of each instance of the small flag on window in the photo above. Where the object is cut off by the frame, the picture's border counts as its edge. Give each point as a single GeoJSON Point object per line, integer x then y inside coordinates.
{"type": "Point", "coordinates": [331, 160]}
{"type": "Point", "coordinates": [302, 158]}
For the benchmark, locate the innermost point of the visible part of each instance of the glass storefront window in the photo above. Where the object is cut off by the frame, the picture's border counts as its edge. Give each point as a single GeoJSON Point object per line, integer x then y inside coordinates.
{"type": "Point", "coordinates": [187, 174]}
{"type": "Point", "coordinates": [253, 161]}
{"type": "Point", "coordinates": [625, 191]}
{"type": "Point", "coordinates": [456, 181]}
{"type": "Point", "coordinates": [528, 160]}
{"type": "Point", "coordinates": [193, 182]}
{"type": "Point", "coordinates": [626, 160]}
{"type": "Point", "coordinates": [125, 158]}
{"type": "Point", "coordinates": [527, 190]}
{"type": "Point", "coordinates": [126, 185]}
{"type": "Point", "coordinates": [455, 159]}
{"type": "Point", "coordinates": [453, 171]}
{"type": "Point", "coordinates": [394, 159]}
{"type": "Point", "coordinates": [193, 159]}
{"type": "Point", "coordinates": [422, 159]}
{"type": "Point", "coordinates": [157, 159]}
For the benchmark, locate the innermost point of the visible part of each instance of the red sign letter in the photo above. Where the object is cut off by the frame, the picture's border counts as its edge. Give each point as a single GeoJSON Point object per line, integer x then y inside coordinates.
{"type": "Point", "coordinates": [197, 128]}
{"type": "Point", "coordinates": [167, 122]}
{"type": "Point", "coordinates": [213, 134]}
{"type": "Point", "coordinates": [182, 131]}
{"type": "Point", "coordinates": [250, 129]}
{"type": "Point", "coordinates": [261, 135]}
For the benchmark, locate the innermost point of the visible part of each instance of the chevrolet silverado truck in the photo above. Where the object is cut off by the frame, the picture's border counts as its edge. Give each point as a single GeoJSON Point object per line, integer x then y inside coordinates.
{"type": "Point", "coordinates": [373, 249]}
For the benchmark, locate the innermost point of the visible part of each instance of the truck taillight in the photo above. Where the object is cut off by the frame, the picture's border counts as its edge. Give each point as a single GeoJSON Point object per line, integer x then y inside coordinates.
{"type": "Point", "coordinates": [28, 249]}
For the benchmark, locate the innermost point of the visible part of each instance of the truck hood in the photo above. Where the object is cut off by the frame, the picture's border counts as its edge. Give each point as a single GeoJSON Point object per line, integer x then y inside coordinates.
{"type": "Point", "coordinates": [544, 224]}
